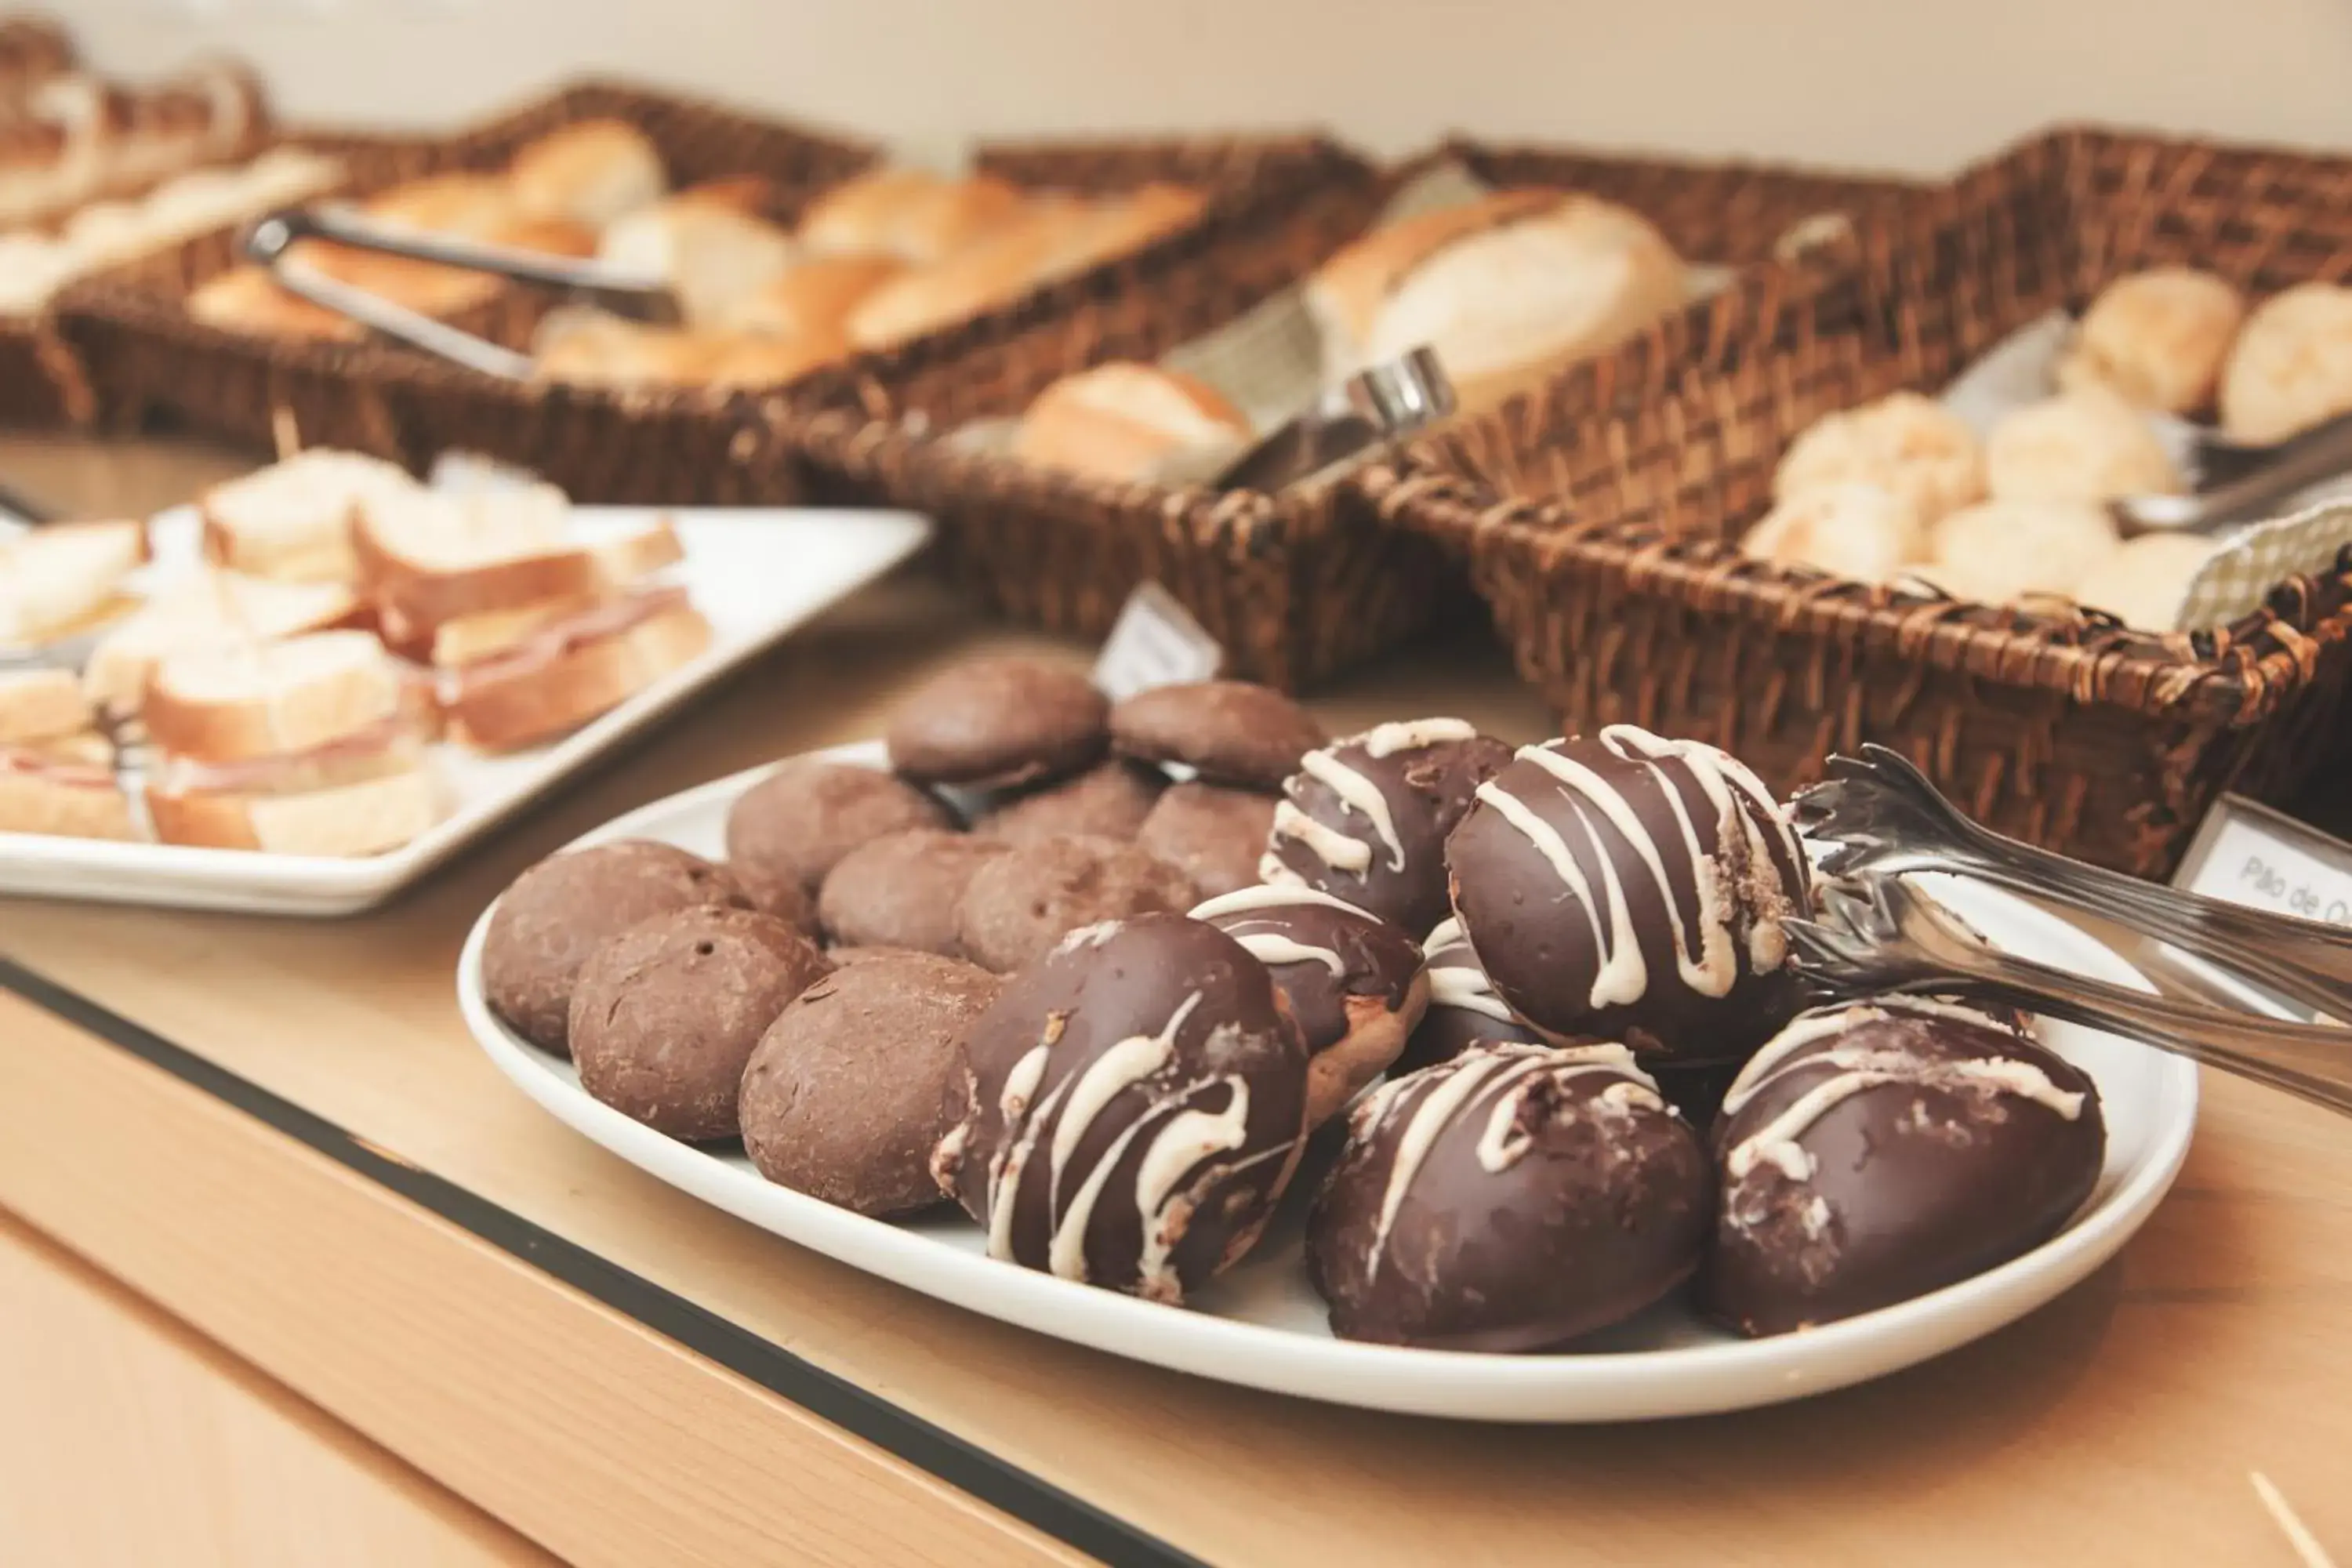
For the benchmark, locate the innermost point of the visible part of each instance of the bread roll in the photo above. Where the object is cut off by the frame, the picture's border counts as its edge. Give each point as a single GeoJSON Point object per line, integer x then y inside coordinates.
{"type": "Point", "coordinates": [2145, 583]}
{"type": "Point", "coordinates": [813, 296]}
{"type": "Point", "coordinates": [750, 361]}
{"type": "Point", "coordinates": [594, 349]}
{"type": "Point", "coordinates": [1861, 531]}
{"type": "Point", "coordinates": [1998, 552]}
{"type": "Point", "coordinates": [2292, 367]}
{"type": "Point", "coordinates": [1124, 421]}
{"type": "Point", "coordinates": [908, 213]}
{"type": "Point", "coordinates": [1905, 443]}
{"type": "Point", "coordinates": [247, 300]}
{"type": "Point", "coordinates": [32, 267]}
{"type": "Point", "coordinates": [2157, 339]}
{"type": "Point", "coordinates": [590, 172]}
{"type": "Point", "coordinates": [714, 256]}
{"type": "Point", "coordinates": [1520, 279]}
{"type": "Point", "coordinates": [2085, 445]}
{"type": "Point", "coordinates": [1121, 224]}
{"type": "Point", "coordinates": [470, 205]}
{"type": "Point", "coordinates": [991, 272]}
{"type": "Point", "coordinates": [754, 194]}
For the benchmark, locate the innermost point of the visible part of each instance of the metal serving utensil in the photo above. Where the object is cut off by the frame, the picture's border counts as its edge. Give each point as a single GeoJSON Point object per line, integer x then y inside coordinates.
{"type": "Point", "coordinates": [1377, 405]}
{"type": "Point", "coordinates": [1878, 815]}
{"type": "Point", "coordinates": [619, 292]}
{"type": "Point", "coordinates": [2239, 481]}
{"type": "Point", "coordinates": [1881, 934]}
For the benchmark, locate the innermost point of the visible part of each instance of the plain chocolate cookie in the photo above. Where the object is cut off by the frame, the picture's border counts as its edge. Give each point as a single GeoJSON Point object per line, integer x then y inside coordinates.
{"type": "Point", "coordinates": [1213, 834]}
{"type": "Point", "coordinates": [1110, 800]}
{"type": "Point", "coordinates": [778, 893]}
{"type": "Point", "coordinates": [901, 890]}
{"type": "Point", "coordinates": [1230, 732]}
{"type": "Point", "coordinates": [800, 820]}
{"type": "Point", "coordinates": [999, 722]}
{"type": "Point", "coordinates": [1022, 902]}
{"type": "Point", "coordinates": [860, 1076]}
{"type": "Point", "coordinates": [666, 1013]}
{"type": "Point", "coordinates": [559, 912]}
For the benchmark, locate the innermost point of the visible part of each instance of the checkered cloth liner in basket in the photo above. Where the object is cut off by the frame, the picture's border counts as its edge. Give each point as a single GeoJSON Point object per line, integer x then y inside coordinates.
{"type": "Point", "coordinates": [2247, 564]}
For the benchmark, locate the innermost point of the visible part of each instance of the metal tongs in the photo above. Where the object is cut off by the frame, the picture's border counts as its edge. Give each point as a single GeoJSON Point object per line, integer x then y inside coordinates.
{"type": "Point", "coordinates": [2241, 481]}
{"type": "Point", "coordinates": [617, 291]}
{"type": "Point", "coordinates": [1380, 403]}
{"type": "Point", "coordinates": [1882, 821]}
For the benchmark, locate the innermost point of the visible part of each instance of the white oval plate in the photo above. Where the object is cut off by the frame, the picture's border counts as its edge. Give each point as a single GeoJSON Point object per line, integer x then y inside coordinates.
{"type": "Point", "coordinates": [1262, 1326]}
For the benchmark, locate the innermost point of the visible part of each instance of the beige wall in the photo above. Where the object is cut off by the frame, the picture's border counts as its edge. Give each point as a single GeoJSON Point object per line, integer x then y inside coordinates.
{"type": "Point", "coordinates": [1893, 83]}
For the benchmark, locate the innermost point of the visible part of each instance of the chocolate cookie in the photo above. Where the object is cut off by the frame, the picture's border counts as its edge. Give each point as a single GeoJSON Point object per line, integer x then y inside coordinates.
{"type": "Point", "coordinates": [1511, 1199]}
{"type": "Point", "coordinates": [1020, 904]}
{"type": "Point", "coordinates": [1873, 1153]}
{"type": "Point", "coordinates": [998, 723]}
{"type": "Point", "coordinates": [559, 912]}
{"type": "Point", "coordinates": [1622, 887]}
{"type": "Point", "coordinates": [1463, 1006]}
{"type": "Point", "coordinates": [858, 1080]}
{"type": "Point", "coordinates": [1213, 834]}
{"type": "Point", "coordinates": [666, 1014]}
{"type": "Point", "coordinates": [1229, 732]}
{"type": "Point", "coordinates": [1137, 1102]}
{"type": "Point", "coordinates": [777, 894]}
{"type": "Point", "coordinates": [1366, 819]}
{"type": "Point", "coordinates": [1107, 801]}
{"type": "Point", "coordinates": [799, 821]}
{"type": "Point", "coordinates": [1354, 982]}
{"type": "Point", "coordinates": [841, 957]}
{"type": "Point", "coordinates": [902, 889]}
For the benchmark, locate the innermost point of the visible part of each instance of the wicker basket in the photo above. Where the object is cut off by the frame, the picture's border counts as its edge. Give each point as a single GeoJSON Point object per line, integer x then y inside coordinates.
{"type": "Point", "coordinates": [148, 358]}
{"type": "Point", "coordinates": [1298, 586]}
{"type": "Point", "coordinates": [1598, 521]}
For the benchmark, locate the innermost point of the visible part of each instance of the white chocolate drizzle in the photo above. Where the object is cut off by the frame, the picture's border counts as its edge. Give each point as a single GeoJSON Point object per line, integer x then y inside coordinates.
{"type": "Point", "coordinates": [1413, 735]}
{"type": "Point", "coordinates": [1358, 795]}
{"type": "Point", "coordinates": [1330, 846]}
{"type": "Point", "coordinates": [1273, 945]}
{"type": "Point", "coordinates": [1620, 976]}
{"type": "Point", "coordinates": [1456, 978]}
{"type": "Point", "coordinates": [1280, 897]}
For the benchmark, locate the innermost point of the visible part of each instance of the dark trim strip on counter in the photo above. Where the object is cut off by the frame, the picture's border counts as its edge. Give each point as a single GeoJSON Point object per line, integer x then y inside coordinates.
{"type": "Point", "coordinates": [960, 1464]}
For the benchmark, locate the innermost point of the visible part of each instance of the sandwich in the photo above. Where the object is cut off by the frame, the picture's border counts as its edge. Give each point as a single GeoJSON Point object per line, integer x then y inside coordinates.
{"type": "Point", "coordinates": [530, 631]}
{"type": "Point", "coordinates": [315, 745]}
{"type": "Point", "coordinates": [1503, 289]}
{"type": "Point", "coordinates": [57, 770]}
{"type": "Point", "coordinates": [208, 609]}
{"type": "Point", "coordinates": [67, 580]}
{"type": "Point", "coordinates": [293, 521]}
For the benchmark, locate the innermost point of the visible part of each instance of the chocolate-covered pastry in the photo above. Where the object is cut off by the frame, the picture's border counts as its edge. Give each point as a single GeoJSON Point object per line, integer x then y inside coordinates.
{"type": "Point", "coordinates": [1229, 732]}
{"type": "Point", "coordinates": [559, 912]}
{"type": "Point", "coordinates": [1621, 887]}
{"type": "Point", "coordinates": [1353, 982]}
{"type": "Point", "coordinates": [902, 890]}
{"type": "Point", "coordinates": [998, 723]}
{"type": "Point", "coordinates": [1511, 1199]}
{"type": "Point", "coordinates": [776, 892]}
{"type": "Point", "coordinates": [1366, 819]}
{"type": "Point", "coordinates": [1876, 1151]}
{"type": "Point", "coordinates": [1463, 1006]}
{"type": "Point", "coordinates": [1138, 1102]}
{"type": "Point", "coordinates": [666, 1014]}
{"type": "Point", "coordinates": [800, 820]}
{"type": "Point", "coordinates": [1023, 901]}
{"type": "Point", "coordinates": [1110, 800]}
{"type": "Point", "coordinates": [858, 1080]}
{"type": "Point", "coordinates": [1213, 834]}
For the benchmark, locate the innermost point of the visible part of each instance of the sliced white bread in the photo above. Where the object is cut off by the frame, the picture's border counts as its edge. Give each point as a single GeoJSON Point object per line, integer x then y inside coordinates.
{"type": "Point", "coordinates": [208, 609]}
{"type": "Point", "coordinates": [60, 580]}
{"type": "Point", "coordinates": [368, 816]}
{"type": "Point", "coordinates": [38, 705]}
{"type": "Point", "coordinates": [438, 557]}
{"type": "Point", "coordinates": [519, 702]}
{"type": "Point", "coordinates": [77, 803]}
{"type": "Point", "coordinates": [293, 520]}
{"type": "Point", "coordinates": [234, 704]}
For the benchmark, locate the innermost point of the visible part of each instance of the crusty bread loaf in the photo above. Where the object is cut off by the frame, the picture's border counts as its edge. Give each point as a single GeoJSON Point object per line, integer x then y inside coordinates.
{"type": "Point", "coordinates": [77, 805]}
{"type": "Point", "coordinates": [537, 700]}
{"type": "Point", "coordinates": [1128, 421]}
{"type": "Point", "coordinates": [714, 258]}
{"type": "Point", "coordinates": [1121, 224]}
{"type": "Point", "coordinates": [40, 704]}
{"type": "Point", "coordinates": [247, 299]}
{"type": "Point", "coordinates": [751, 361]}
{"type": "Point", "coordinates": [990, 273]}
{"type": "Point", "coordinates": [469, 205]}
{"type": "Point", "coordinates": [293, 520]}
{"type": "Point", "coordinates": [592, 173]}
{"type": "Point", "coordinates": [815, 294]}
{"type": "Point", "coordinates": [911, 214]}
{"type": "Point", "coordinates": [235, 704]}
{"type": "Point", "coordinates": [370, 817]}
{"type": "Point", "coordinates": [1518, 281]}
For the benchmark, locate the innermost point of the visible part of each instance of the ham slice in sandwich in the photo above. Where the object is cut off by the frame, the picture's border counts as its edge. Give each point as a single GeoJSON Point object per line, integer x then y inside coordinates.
{"type": "Point", "coordinates": [57, 770]}
{"type": "Point", "coordinates": [531, 631]}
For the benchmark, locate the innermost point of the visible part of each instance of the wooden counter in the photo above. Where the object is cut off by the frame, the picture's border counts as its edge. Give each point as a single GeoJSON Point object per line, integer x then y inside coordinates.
{"type": "Point", "coordinates": [280, 1134]}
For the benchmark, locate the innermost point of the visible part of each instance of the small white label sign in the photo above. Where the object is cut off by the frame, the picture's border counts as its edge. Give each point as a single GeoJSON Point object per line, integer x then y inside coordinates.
{"type": "Point", "coordinates": [2250, 855]}
{"type": "Point", "coordinates": [1156, 642]}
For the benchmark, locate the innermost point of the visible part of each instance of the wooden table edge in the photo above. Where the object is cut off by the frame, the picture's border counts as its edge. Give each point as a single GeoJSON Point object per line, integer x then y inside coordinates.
{"type": "Point", "coordinates": [587, 1345]}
